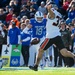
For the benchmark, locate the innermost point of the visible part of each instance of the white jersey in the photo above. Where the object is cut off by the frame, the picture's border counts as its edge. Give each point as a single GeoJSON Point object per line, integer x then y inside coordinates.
{"type": "Point", "coordinates": [51, 30]}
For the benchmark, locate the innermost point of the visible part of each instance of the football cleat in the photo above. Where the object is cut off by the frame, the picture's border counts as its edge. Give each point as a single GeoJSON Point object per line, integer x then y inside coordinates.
{"type": "Point", "coordinates": [35, 68]}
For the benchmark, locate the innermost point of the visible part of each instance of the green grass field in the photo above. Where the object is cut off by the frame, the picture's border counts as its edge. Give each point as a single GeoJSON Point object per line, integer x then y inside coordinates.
{"type": "Point", "coordinates": [45, 71]}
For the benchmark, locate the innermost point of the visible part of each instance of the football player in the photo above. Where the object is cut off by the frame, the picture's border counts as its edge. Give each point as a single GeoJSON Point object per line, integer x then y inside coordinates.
{"type": "Point", "coordinates": [53, 36]}
{"type": "Point", "coordinates": [38, 27]}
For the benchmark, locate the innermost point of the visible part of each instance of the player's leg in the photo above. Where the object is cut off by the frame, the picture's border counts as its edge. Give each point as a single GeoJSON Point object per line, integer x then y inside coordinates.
{"type": "Point", "coordinates": [44, 46]}
{"type": "Point", "coordinates": [42, 61]}
{"type": "Point", "coordinates": [39, 57]}
{"type": "Point", "coordinates": [63, 50]}
{"type": "Point", "coordinates": [32, 54]}
{"type": "Point", "coordinates": [67, 53]}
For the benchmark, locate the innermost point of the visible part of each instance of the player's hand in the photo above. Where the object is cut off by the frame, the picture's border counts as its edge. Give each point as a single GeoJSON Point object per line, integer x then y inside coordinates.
{"type": "Point", "coordinates": [35, 41]}
{"type": "Point", "coordinates": [29, 26]}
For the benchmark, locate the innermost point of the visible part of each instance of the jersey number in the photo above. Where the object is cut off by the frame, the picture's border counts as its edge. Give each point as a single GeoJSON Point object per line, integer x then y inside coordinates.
{"type": "Point", "coordinates": [39, 30]}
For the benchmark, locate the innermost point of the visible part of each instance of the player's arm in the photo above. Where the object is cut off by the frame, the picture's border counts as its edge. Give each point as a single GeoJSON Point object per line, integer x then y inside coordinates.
{"type": "Point", "coordinates": [27, 28]}
{"type": "Point", "coordinates": [26, 39]}
{"type": "Point", "coordinates": [51, 14]}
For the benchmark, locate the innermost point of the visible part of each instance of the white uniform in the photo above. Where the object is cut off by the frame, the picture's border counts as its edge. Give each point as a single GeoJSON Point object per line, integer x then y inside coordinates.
{"type": "Point", "coordinates": [51, 30]}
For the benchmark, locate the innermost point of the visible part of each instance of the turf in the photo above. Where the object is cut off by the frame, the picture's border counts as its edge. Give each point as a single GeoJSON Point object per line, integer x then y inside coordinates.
{"type": "Point", "coordinates": [45, 71]}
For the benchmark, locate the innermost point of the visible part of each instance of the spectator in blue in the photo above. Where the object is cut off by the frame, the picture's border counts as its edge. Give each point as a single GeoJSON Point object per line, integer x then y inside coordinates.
{"type": "Point", "coordinates": [13, 37]}
{"type": "Point", "coordinates": [25, 40]}
{"type": "Point", "coordinates": [71, 14]}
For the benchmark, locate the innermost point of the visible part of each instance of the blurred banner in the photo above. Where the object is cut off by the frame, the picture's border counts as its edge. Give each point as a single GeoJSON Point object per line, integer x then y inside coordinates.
{"type": "Point", "coordinates": [6, 55]}
{"type": "Point", "coordinates": [11, 55]}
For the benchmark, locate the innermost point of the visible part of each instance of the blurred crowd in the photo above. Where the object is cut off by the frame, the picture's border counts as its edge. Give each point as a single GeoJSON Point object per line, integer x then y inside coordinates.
{"type": "Point", "coordinates": [21, 11]}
